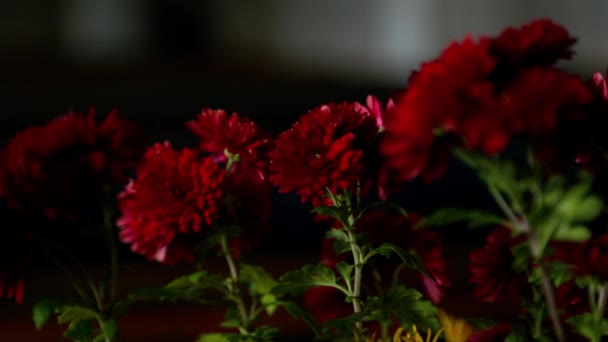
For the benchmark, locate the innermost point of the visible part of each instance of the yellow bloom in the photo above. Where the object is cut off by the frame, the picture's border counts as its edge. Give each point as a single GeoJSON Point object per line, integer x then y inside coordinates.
{"type": "Point", "coordinates": [455, 329]}
{"type": "Point", "coordinates": [414, 336]}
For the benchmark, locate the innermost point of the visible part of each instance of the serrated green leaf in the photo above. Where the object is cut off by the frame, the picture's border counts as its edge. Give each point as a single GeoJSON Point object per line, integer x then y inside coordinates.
{"type": "Point", "coordinates": [259, 280]}
{"type": "Point", "coordinates": [341, 240]}
{"type": "Point", "coordinates": [298, 312]}
{"type": "Point", "coordinates": [69, 313]}
{"type": "Point", "coordinates": [213, 337]}
{"type": "Point", "coordinates": [407, 306]}
{"type": "Point", "coordinates": [80, 330]}
{"type": "Point", "coordinates": [588, 326]}
{"type": "Point", "coordinates": [109, 329]}
{"type": "Point", "coordinates": [408, 257]}
{"type": "Point", "coordinates": [265, 334]}
{"type": "Point", "coordinates": [473, 218]}
{"type": "Point", "coordinates": [382, 206]}
{"type": "Point", "coordinates": [43, 311]}
{"type": "Point", "coordinates": [339, 213]}
{"type": "Point", "coordinates": [577, 233]}
{"type": "Point", "coordinates": [269, 302]}
{"type": "Point", "coordinates": [345, 270]}
{"type": "Point", "coordinates": [343, 325]}
{"type": "Point", "coordinates": [296, 282]}
{"type": "Point", "coordinates": [231, 318]}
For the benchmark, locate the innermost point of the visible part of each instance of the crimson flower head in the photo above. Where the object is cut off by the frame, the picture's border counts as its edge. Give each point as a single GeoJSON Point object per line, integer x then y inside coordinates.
{"type": "Point", "coordinates": [219, 131]}
{"type": "Point", "coordinates": [442, 94]}
{"type": "Point", "coordinates": [492, 270]}
{"type": "Point", "coordinates": [539, 43]}
{"type": "Point", "coordinates": [588, 258]}
{"type": "Point", "coordinates": [326, 149]}
{"type": "Point", "coordinates": [170, 204]}
{"type": "Point", "coordinates": [58, 168]}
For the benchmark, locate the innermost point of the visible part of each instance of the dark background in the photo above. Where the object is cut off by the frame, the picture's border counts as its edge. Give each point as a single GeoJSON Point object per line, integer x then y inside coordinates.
{"type": "Point", "coordinates": [160, 62]}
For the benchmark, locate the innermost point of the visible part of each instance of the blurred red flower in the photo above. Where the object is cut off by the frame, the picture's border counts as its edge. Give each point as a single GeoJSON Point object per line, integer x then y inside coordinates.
{"type": "Point", "coordinates": [168, 206]}
{"type": "Point", "coordinates": [327, 148]}
{"type": "Point", "coordinates": [492, 270]}
{"type": "Point", "coordinates": [60, 168]}
{"type": "Point", "coordinates": [219, 131]}
{"type": "Point", "coordinates": [497, 333]}
{"type": "Point", "coordinates": [587, 258]}
{"type": "Point", "coordinates": [480, 94]}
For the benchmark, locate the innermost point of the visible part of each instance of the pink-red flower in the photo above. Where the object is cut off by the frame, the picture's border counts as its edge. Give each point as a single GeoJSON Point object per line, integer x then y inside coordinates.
{"type": "Point", "coordinates": [60, 167]}
{"type": "Point", "coordinates": [219, 131]}
{"type": "Point", "coordinates": [326, 149]}
{"type": "Point", "coordinates": [170, 204]}
{"type": "Point", "coordinates": [492, 270]}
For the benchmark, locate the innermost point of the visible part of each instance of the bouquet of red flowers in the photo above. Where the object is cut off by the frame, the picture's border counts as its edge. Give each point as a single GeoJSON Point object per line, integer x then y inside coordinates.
{"type": "Point", "coordinates": [529, 130]}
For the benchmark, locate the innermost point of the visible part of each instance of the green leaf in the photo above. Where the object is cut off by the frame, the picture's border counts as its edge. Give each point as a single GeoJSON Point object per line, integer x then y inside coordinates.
{"type": "Point", "coordinates": [382, 206]}
{"type": "Point", "coordinates": [341, 240]}
{"type": "Point", "coordinates": [265, 334]}
{"type": "Point", "coordinates": [196, 287]}
{"type": "Point", "coordinates": [269, 302]}
{"type": "Point", "coordinates": [259, 280]}
{"type": "Point", "coordinates": [578, 233]}
{"type": "Point", "coordinates": [71, 313]}
{"type": "Point", "coordinates": [80, 330]}
{"type": "Point", "coordinates": [296, 282]}
{"type": "Point", "coordinates": [408, 257]}
{"type": "Point", "coordinates": [406, 305]}
{"type": "Point", "coordinates": [298, 312]}
{"type": "Point", "coordinates": [43, 311]}
{"type": "Point", "coordinates": [343, 325]}
{"type": "Point", "coordinates": [345, 270]}
{"type": "Point", "coordinates": [213, 337]}
{"type": "Point", "coordinates": [109, 329]}
{"type": "Point", "coordinates": [588, 326]}
{"type": "Point", "coordinates": [339, 213]}
{"type": "Point", "coordinates": [473, 218]}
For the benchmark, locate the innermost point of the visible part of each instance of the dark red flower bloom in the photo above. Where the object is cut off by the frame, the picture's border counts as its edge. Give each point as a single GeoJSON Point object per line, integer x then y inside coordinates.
{"type": "Point", "coordinates": [443, 93]}
{"type": "Point", "coordinates": [174, 198]}
{"type": "Point", "coordinates": [480, 95]}
{"type": "Point", "coordinates": [59, 168]}
{"type": "Point", "coordinates": [492, 269]}
{"type": "Point", "coordinates": [539, 43]}
{"type": "Point", "coordinates": [571, 299]}
{"type": "Point", "coordinates": [497, 333]}
{"type": "Point", "coordinates": [326, 303]}
{"type": "Point", "coordinates": [239, 135]}
{"type": "Point", "coordinates": [325, 149]}
{"type": "Point", "coordinates": [588, 258]}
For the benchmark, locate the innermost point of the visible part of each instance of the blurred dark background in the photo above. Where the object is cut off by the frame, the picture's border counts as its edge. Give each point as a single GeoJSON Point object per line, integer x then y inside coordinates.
{"type": "Point", "coordinates": [159, 62]}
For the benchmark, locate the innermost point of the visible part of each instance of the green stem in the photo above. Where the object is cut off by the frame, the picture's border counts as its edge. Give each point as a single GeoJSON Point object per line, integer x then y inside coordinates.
{"type": "Point", "coordinates": [384, 331]}
{"type": "Point", "coordinates": [357, 259]}
{"type": "Point", "coordinates": [602, 298]}
{"type": "Point", "coordinates": [233, 287]}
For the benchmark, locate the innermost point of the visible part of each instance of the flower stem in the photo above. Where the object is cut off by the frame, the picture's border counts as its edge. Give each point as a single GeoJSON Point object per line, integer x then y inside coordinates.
{"type": "Point", "coordinates": [357, 259]}
{"type": "Point", "coordinates": [547, 287]}
{"type": "Point", "coordinates": [602, 298]}
{"type": "Point", "coordinates": [233, 286]}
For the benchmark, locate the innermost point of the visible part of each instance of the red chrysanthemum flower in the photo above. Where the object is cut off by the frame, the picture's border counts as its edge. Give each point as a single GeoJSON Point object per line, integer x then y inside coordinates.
{"type": "Point", "coordinates": [382, 226]}
{"type": "Point", "coordinates": [480, 95]}
{"type": "Point", "coordinates": [571, 300]}
{"type": "Point", "coordinates": [587, 258]}
{"type": "Point", "coordinates": [325, 149]}
{"type": "Point", "coordinates": [239, 135]}
{"type": "Point", "coordinates": [443, 93]}
{"type": "Point", "coordinates": [492, 269]}
{"type": "Point", "coordinates": [59, 168]}
{"type": "Point", "coordinates": [539, 43]}
{"type": "Point", "coordinates": [170, 203]}
{"type": "Point", "coordinates": [326, 303]}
